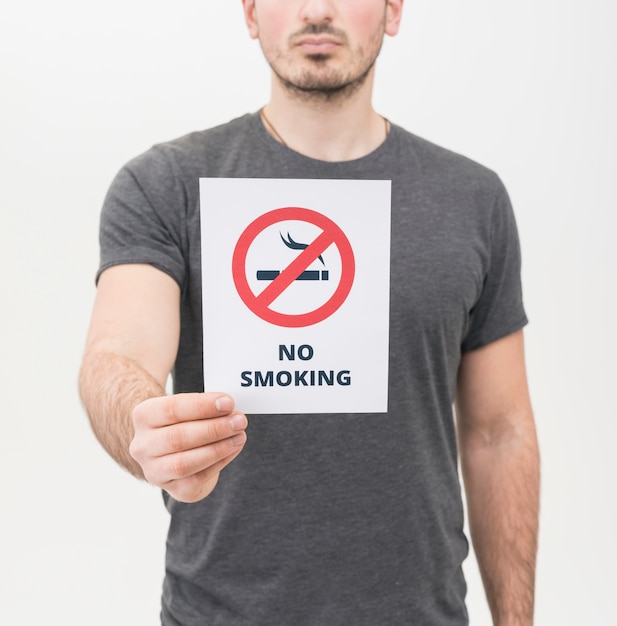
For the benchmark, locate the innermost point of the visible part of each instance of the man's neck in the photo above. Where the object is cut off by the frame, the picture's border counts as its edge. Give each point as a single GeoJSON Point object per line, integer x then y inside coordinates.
{"type": "Point", "coordinates": [329, 129]}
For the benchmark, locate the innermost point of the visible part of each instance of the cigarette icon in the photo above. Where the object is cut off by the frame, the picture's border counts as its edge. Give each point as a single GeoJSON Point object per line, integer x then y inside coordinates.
{"type": "Point", "coordinates": [306, 275]}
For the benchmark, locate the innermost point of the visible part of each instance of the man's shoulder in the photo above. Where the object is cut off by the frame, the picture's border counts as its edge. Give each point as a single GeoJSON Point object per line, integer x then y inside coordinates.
{"type": "Point", "coordinates": [437, 162]}
{"type": "Point", "coordinates": [235, 129]}
{"type": "Point", "coordinates": [209, 143]}
{"type": "Point", "coordinates": [200, 153]}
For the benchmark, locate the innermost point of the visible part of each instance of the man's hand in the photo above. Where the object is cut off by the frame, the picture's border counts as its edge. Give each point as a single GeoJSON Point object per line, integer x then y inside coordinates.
{"type": "Point", "coordinates": [183, 441]}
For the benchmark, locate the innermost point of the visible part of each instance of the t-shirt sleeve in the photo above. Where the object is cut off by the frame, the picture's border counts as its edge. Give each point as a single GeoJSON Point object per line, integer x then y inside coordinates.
{"type": "Point", "coordinates": [142, 216]}
{"type": "Point", "coordinates": [499, 310]}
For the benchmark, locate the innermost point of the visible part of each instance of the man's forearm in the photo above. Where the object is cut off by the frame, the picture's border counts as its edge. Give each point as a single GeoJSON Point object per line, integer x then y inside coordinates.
{"type": "Point", "coordinates": [111, 386]}
{"type": "Point", "coordinates": [502, 484]}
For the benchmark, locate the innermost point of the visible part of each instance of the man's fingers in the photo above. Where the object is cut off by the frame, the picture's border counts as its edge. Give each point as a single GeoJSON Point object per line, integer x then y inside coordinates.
{"type": "Point", "coordinates": [182, 407]}
{"type": "Point", "coordinates": [189, 435]}
{"type": "Point", "coordinates": [200, 485]}
{"type": "Point", "coordinates": [182, 465]}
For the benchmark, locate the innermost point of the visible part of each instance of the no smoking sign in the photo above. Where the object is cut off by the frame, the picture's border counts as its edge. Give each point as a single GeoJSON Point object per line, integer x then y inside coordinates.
{"type": "Point", "coordinates": [296, 292]}
{"type": "Point", "coordinates": [296, 275]}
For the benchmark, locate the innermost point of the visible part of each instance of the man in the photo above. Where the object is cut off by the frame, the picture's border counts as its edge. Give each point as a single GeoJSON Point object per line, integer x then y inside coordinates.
{"type": "Point", "coordinates": [325, 519]}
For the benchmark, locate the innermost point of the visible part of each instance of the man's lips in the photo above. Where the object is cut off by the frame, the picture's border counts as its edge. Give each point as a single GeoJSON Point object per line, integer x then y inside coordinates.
{"type": "Point", "coordinates": [318, 44]}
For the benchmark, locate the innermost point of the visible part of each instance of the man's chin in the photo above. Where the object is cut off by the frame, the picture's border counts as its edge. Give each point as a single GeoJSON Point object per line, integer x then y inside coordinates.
{"type": "Point", "coordinates": [319, 58]}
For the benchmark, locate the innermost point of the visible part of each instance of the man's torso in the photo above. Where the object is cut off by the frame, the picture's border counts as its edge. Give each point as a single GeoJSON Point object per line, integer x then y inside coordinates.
{"type": "Point", "coordinates": [333, 519]}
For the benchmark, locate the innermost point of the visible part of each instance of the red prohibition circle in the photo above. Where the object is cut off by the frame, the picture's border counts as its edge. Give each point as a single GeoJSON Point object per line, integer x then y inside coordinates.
{"type": "Point", "coordinates": [260, 304]}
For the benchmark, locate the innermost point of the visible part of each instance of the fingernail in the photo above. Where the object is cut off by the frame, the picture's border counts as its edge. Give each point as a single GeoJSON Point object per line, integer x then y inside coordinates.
{"type": "Point", "coordinates": [223, 404]}
{"type": "Point", "coordinates": [238, 440]}
{"type": "Point", "coordinates": [238, 422]}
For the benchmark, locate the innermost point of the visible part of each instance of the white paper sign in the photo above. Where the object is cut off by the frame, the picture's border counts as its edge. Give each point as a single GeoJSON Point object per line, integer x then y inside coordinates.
{"type": "Point", "coordinates": [296, 289]}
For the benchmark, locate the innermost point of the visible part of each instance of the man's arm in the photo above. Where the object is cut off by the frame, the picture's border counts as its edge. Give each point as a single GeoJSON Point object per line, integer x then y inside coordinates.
{"type": "Point", "coordinates": [500, 463]}
{"type": "Point", "coordinates": [179, 443]}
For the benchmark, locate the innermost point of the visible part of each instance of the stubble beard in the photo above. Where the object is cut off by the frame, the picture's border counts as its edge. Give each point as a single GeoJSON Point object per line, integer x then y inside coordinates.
{"type": "Point", "coordinates": [310, 87]}
{"type": "Point", "coordinates": [319, 84]}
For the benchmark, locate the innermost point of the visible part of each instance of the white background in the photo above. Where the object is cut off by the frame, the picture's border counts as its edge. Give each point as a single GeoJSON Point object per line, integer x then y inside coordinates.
{"type": "Point", "coordinates": [526, 87]}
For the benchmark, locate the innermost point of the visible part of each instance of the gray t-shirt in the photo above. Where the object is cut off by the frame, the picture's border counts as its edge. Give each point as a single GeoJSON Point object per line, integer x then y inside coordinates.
{"type": "Point", "coordinates": [344, 518]}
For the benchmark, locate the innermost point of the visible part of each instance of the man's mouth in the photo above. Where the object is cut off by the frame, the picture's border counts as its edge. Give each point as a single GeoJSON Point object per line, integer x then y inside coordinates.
{"type": "Point", "coordinates": [318, 45]}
